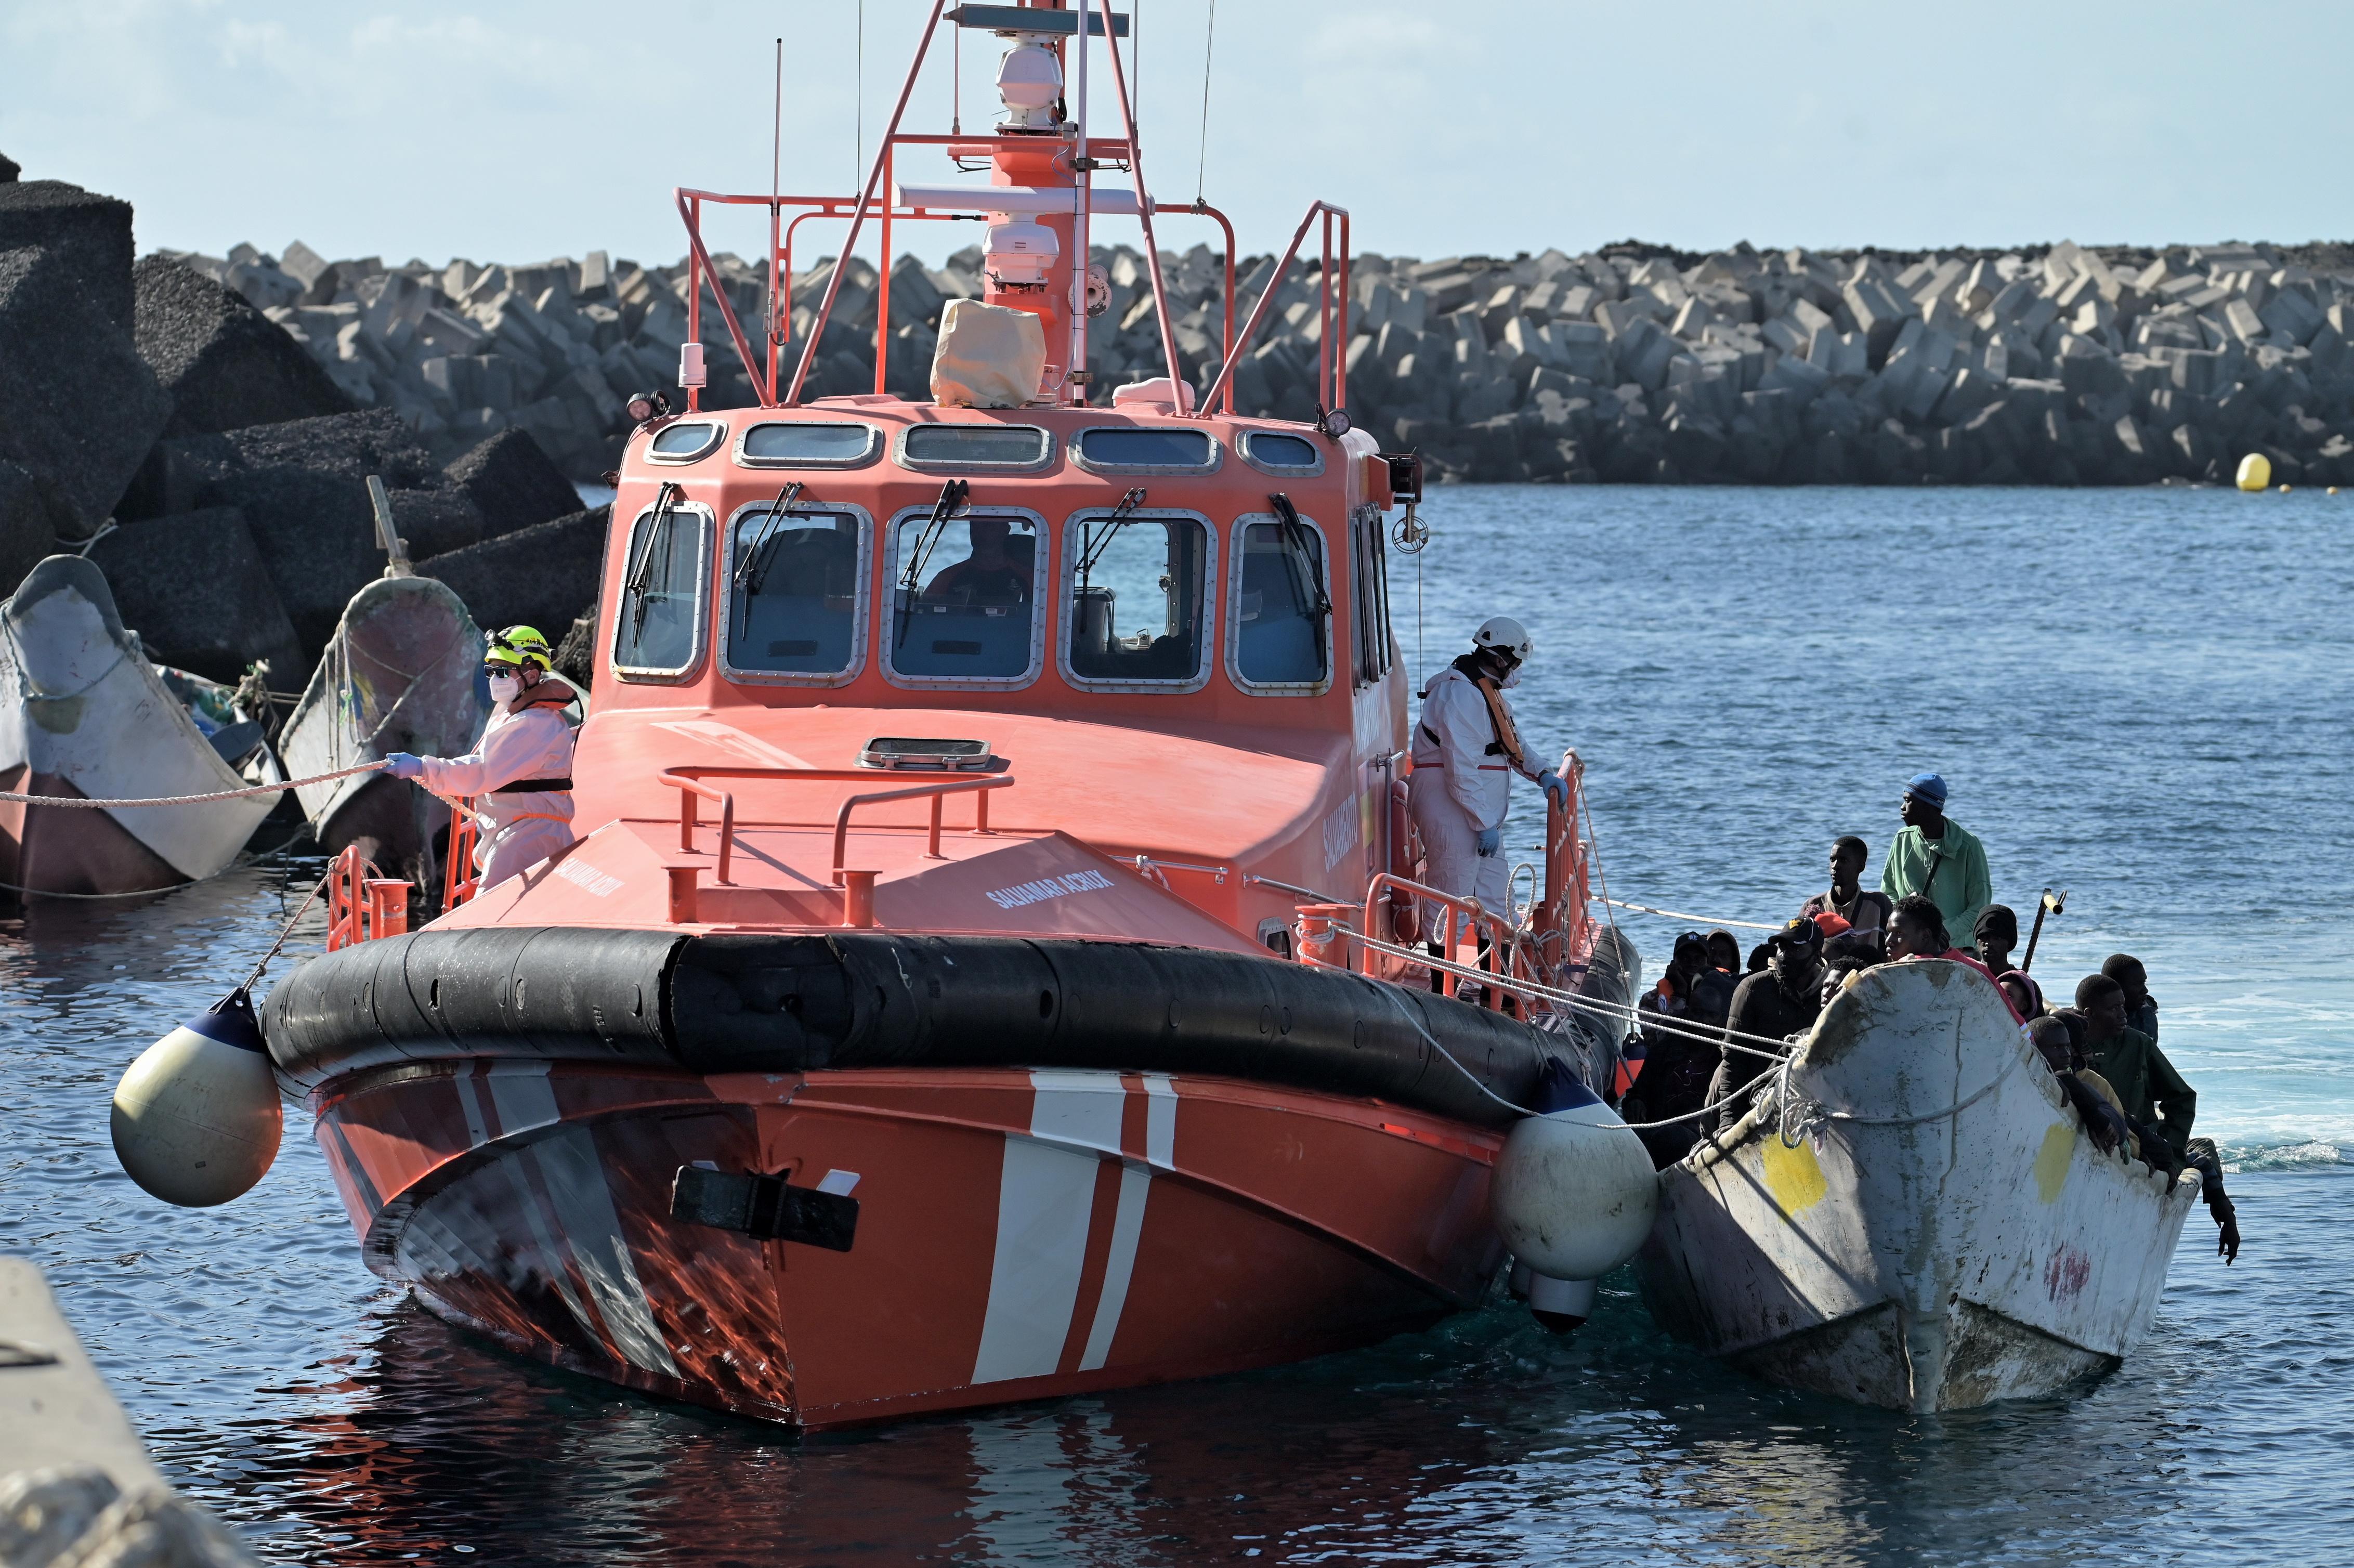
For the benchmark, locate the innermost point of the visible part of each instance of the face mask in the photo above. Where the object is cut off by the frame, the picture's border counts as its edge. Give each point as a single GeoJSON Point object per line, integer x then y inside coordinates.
{"type": "Point", "coordinates": [504, 688]}
{"type": "Point", "coordinates": [1512, 680]}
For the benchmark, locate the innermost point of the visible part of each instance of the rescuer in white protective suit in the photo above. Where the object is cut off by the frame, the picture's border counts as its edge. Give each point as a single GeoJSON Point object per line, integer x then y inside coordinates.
{"type": "Point", "coordinates": [1466, 750]}
{"type": "Point", "coordinates": [520, 772]}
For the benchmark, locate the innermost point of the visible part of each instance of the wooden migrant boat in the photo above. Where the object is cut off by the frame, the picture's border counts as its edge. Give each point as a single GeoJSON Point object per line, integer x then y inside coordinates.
{"type": "Point", "coordinates": [403, 673]}
{"type": "Point", "coordinates": [83, 714]}
{"type": "Point", "coordinates": [1914, 1218]}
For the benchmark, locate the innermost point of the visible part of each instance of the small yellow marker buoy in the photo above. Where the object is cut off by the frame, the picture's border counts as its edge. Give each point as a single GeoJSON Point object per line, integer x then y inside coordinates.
{"type": "Point", "coordinates": [2285, 489]}
{"type": "Point", "coordinates": [2255, 473]}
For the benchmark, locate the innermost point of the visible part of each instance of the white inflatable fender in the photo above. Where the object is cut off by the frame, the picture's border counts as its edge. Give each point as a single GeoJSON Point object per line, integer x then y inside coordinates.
{"type": "Point", "coordinates": [196, 1119]}
{"type": "Point", "coordinates": [1574, 1192]}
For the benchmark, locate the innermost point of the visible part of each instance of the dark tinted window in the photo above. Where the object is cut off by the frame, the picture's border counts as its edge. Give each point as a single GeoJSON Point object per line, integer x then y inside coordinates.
{"type": "Point", "coordinates": [790, 444]}
{"type": "Point", "coordinates": [1370, 597]}
{"type": "Point", "coordinates": [1146, 448]}
{"type": "Point", "coordinates": [1281, 451]}
{"type": "Point", "coordinates": [795, 581]}
{"type": "Point", "coordinates": [964, 446]}
{"type": "Point", "coordinates": [962, 597]}
{"type": "Point", "coordinates": [1281, 637]}
{"type": "Point", "coordinates": [1135, 611]}
{"type": "Point", "coordinates": [662, 598]}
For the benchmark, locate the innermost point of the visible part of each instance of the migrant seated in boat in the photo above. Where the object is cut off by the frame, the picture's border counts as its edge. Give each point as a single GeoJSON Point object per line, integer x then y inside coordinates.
{"type": "Point", "coordinates": [2149, 1087]}
{"type": "Point", "coordinates": [1780, 1002]}
{"type": "Point", "coordinates": [520, 772]}
{"type": "Point", "coordinates": [1918, 931]}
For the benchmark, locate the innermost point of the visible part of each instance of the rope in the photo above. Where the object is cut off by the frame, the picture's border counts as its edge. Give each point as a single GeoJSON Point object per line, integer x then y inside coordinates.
{"type": "Point", "coordinates": [1706, 1034]}
{"type": "Point", "coordinates": [288, 930]}
{"type": "Point", "coordinates": [77, 801]}
{"type": "Point", "coordinates": [1701, 919]}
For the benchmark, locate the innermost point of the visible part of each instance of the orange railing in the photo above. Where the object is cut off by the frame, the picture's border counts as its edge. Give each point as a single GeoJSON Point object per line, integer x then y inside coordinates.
{"type": "Point", "coordinates": [363, 904]}
{"type": "Point", "coordinates": [1550, 950]}
{"type": "Point", "coordinates": [459, 880]}
{"type": "Point", "coordinates": [1333, 305]}
{"type": "Point", "coordinates": [689, 782]}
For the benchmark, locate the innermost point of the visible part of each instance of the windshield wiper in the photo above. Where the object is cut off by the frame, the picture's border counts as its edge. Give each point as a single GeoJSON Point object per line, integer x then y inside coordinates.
{"type": "Point", "coordinates": [656, 529]}
{"type": "Point", "coordinates": [753, 569]}
{"type": "Point", "coordinates": [954, 494]}
{"type": "Point", "coordinates": [1121, 515]}
{"type": "Point", "coordinates": [1298, 556]}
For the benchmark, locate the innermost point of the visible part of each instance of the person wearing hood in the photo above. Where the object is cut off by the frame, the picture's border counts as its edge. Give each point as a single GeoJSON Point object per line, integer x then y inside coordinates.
{"type": "Point", "coordinates": [1466, 747]}
{"type": "Point", "coordinates": [520, 771]}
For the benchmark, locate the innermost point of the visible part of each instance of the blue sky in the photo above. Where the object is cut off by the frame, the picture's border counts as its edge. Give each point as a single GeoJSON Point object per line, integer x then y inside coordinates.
{"type": "Point", "coordinates": [532, 128]}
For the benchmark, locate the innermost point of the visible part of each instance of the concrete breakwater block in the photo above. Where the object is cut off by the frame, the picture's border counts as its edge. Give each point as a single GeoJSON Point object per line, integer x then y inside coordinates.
{"type": "Point", "coordinates": [512, 484]}
{"type": "Point", "coordinates": [90, 233]}
{"type": "Point", "coordinates": [79, 408]}
{"type": "Point", "coordinates": [546, 576]}
{"type": "Point", "coordinates": [302, 487]}
{"type": "Point", "coordinates": [224, 364]}
{"type": "Point", "coordinates": [197, 590]}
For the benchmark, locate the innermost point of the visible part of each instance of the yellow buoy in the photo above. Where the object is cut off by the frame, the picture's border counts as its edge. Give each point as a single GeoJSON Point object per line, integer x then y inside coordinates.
{"type": "Point", "coordinates": [2285, 489]}
{"type": "Point", "coordinates": [2255, 473]}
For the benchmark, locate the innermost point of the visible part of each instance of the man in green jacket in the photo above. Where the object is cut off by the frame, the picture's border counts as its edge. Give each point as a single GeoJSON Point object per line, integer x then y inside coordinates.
{"type": "Point", "coordinates": [1937, 858]}
{"type": "Point", "coordinates": [2151, 1091]}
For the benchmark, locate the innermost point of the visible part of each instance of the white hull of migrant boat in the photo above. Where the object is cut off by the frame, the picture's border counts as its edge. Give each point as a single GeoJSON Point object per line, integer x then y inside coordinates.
{"type": "Point", "coordinates": [87, 716]}
{"type": "Point", "coordinates": [1915, 1219]}
{"type": "Point", "coordinates": [401, 673]}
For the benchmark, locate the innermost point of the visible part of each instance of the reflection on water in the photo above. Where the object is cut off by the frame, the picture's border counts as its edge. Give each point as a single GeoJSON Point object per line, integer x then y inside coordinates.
{"type": "Point", "coordinates": [1486, 1441]}
{"type": "Point", "coordinates": [1709, 651]}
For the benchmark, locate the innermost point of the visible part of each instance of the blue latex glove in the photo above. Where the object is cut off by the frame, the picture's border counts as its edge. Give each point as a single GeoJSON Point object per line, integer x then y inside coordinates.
{"type": "Point", "coordinates": [1556, 786]}
{"type": "Point", "coordinates": [1490, 841]}
{"type": "Point", "coordinates": [400, 765]}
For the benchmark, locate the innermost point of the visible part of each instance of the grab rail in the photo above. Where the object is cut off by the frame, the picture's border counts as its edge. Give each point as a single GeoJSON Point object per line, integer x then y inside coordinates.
{"type": "Point", "coordinates": [689, 782]}
{"type": "Point", "coordinates": [1332, 316]}
{"type": "Point", "coordinates": [977, 788]}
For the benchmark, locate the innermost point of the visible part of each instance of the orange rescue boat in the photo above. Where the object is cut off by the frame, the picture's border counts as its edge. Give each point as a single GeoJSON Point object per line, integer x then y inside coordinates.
{"type": "Point", "coordinates": [986, 971]}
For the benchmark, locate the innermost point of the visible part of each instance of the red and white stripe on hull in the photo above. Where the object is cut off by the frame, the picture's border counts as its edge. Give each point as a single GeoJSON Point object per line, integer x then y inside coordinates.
{"type": "Point", "coordinates": [1020, 1234]}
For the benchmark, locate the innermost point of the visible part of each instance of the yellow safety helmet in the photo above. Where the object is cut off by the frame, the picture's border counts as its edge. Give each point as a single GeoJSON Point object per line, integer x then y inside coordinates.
{"type": "Point", "coordinates": [521, 646]}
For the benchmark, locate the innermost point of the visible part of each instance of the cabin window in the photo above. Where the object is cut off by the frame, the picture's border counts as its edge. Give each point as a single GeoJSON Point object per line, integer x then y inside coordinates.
{"type": "Point", "coordinates": [796, 598]}
{"type": "Point", "coordinates": [1136, 600]}
{"type": "Point", "coordinates": [807, 445]}
{"type": "Point", "coordinates": [964, 597]}
{"type": "Point", "coordinates": [1370, 601]}
{"type": "Point", "coordinates": [1147, 449]}
{"type": "Point", "coordinates": [658, 622]}
{"type": "Point", "coordinates": [1281, 639]}
{"type": "Point", "coordinates": [964, 447]}
{"type": "Point", "coordinates": [688, 442]}
{"type": "Point", "coordinates": [1279, 453]}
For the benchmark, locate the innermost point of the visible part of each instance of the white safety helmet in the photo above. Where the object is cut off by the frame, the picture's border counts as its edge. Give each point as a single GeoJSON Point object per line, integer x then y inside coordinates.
{"type": "Point", "coordinates": [1502, 634]}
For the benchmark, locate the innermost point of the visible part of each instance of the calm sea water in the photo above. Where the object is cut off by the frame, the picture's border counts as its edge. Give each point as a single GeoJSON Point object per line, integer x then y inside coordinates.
{"type": "Point", "coordinates": [2139, 696]}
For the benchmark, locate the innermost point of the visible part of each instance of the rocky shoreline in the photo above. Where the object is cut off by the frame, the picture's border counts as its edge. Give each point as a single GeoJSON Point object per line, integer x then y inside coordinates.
{"type": "Point", "coordinates": [203, 427]}
{"type": "Point", "coordinates": [2064, 365]}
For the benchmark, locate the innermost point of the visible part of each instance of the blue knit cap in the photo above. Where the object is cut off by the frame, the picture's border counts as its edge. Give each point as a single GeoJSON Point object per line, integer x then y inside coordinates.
{"type": "Point", "coordinates": [1928, 787]}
